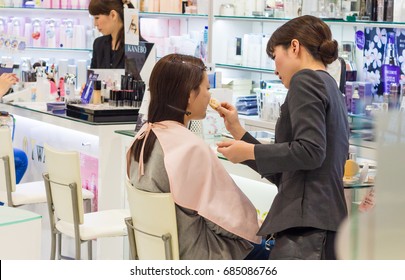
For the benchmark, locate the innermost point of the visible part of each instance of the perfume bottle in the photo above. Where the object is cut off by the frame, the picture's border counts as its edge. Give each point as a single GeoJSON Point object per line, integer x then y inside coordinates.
{"type": "Point", "coordinates": [347, 53]}
{"type": "Point", "coordinates": [50, 33]}
{"type": "Point", "coordinates": [390, 71]}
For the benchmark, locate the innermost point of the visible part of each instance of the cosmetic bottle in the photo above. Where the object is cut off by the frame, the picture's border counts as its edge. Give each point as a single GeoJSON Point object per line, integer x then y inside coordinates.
{"type": "Point", "coordinates": [393, 102]}
{"type": "Point", "coordinates": [62, 92]}
{"type": "Point", "coordinates": [238, 51]}
{"type": "Point", "coordinates": [356, 102]}
{"type": "Point", "coordinates": [43, 86]}
{"type": "Point", "coordinates": [120, 98]}
{"type": "Point", "coordinates": [50, 34]}
{"type": "Point", "coordinates": [104, 92]}
{"type": "Point", "coordinates": [33, 94]}
{"type": "Point", "coordinates": [36, 33]}
{"type": "Point", "coordinates": [97, 92]}
{"type": "Point", "coordinates": [16, 23]}
{"type": "Point", "coordinates": [402, 97]}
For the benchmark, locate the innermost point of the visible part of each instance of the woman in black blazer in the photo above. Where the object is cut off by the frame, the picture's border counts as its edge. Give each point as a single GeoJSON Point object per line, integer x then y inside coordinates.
{"type": "Point", "coordinates": [311, 144]}
{"type": "Point", "coordinates": [109, 49]}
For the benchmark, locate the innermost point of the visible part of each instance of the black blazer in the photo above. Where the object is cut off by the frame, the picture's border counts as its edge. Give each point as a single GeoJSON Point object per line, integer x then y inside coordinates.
{"type": "Point", "coordinates": [307, 160]}
{"type": "Point", "coordinates": [104, 57]}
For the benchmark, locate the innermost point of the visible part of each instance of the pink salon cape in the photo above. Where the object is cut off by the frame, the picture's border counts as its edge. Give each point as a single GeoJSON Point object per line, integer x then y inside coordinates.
{"type": "Point", "coordinates": [198, 180]}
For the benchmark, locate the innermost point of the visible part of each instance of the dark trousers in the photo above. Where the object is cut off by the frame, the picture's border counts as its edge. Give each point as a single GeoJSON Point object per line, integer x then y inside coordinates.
{"type": "Point", "coordinates": [304, 243]}
{"type": "Point", "coordinates": [259, 252]}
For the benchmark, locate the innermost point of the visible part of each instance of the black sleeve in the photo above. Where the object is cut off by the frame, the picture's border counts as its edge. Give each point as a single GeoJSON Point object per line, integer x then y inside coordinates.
{"type": "Point", "coordinates": [274, 178]}
{"type": "Point", "coordinates": [93, 64]}
{"type": "Point", "coordinates": [306, 111]}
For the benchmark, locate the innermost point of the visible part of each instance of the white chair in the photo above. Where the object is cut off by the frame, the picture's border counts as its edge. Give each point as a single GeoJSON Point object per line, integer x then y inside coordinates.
{"type": "Point", "coordinates": [13, 194]}
{"type": "Point", "coordinates": [152, 227]}
{"type": "Point", "coordinates": [261, 194]}
{"type": "Point", "coordinates": [65, 205]}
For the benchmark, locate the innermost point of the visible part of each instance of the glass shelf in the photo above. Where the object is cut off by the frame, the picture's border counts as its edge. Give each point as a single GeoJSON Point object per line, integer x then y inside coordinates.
{"type": "Point", "coordinates": [40, 107]}
{"type": "Point", "coordinates": [328, 20]}
{"type": "Point", "coordinates": [130, 133]}
{"type": "Point", "coordinates": [356, 116]}
{"type": "Point", "coordinates": [42, 9]}
{"type": "Point", "coordinates": [360, 122]}
{"type": "Point", "coordinates": [251, 18]}
{"type": "Point", "coordinates": [358, 185]}
{"type": "Point", "coordinates": [57, 49]}
{"type": "Point", "coordinates": [176, 15]}
{"type": "Point", "coordinates": [243, 68]}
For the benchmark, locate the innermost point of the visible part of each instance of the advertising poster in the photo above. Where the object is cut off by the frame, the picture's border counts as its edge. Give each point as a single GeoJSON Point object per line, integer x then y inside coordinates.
{"type": "Point", "coordinates": [376, 39]}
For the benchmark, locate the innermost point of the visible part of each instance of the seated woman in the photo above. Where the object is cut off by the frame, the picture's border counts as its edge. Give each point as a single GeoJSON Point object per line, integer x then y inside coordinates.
{"type": "Point", "coordinates": [215, 219]}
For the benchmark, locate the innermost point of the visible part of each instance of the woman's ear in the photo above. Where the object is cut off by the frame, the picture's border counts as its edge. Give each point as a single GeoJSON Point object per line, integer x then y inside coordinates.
{"type": "Point", "coordinates": [295, 45]}
{"type": "Point", "coordinates": [113, 14]}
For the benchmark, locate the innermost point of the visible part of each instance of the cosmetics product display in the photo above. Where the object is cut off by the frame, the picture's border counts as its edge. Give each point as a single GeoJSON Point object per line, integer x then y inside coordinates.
{"type": "Point", "coordinates": [102, 113]}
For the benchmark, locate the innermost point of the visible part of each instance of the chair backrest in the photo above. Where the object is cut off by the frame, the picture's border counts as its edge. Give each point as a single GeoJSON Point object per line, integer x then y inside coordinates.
{"type": "Point", "coordinates": [63, 168]}
{"type": "Point", "coordinates": [153, 214]}
{"type": "Point", "coordinates": [7, 168]}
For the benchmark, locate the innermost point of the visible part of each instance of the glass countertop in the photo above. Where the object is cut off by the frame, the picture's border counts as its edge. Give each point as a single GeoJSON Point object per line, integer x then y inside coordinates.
{"type": "Point", "coordinates": [12, 215]}
{"type": "Point", "coordinates": [40, 107]}
{"type": "Point", "coordinates": [358, 185]}
{"type": "Point", "coordinates": [130, 133]}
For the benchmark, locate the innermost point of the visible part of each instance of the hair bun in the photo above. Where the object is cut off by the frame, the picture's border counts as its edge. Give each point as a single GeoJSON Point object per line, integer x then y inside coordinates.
{"type": "Point", "coordinates": [328, 51]}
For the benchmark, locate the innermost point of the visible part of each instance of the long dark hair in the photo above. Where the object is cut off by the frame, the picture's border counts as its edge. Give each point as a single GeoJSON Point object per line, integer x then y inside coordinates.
{"type": "Point", "coordinates": [171, 82]}
{"type": "Point", "coordinates": [104, 7]}
{"type": "Point", "coordinates": [313, 33]}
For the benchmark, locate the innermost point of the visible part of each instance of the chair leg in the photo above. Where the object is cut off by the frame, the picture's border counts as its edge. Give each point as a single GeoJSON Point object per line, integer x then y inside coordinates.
{"type": "Point", "coordinates": [53, 245]}
{"type": "Point", "coordinates": [59, 246]}
{"type": "Point", "coordinates": [78, 245]}
{"type": "Point", "coordinates": [90, 249]}
{"type": "Point", "coordinates": [87, 206]}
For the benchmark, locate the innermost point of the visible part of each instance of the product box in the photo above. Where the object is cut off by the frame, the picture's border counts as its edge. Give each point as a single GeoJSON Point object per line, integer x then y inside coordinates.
{"type": "Point", "coordinates": [349, 89]}
{"type": "Point", "coordinates": [365, 92]}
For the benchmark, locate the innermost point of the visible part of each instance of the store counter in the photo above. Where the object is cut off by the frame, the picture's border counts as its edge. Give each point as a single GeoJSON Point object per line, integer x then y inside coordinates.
{"type": "Point", "coordinates": [20, 234]}
{"type": "Point", "coordinates": [100, 152]}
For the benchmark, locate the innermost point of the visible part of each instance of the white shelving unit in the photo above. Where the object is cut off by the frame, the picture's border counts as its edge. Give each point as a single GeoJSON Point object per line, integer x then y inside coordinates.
{"type": "Point", "coordinates": [51, 54]}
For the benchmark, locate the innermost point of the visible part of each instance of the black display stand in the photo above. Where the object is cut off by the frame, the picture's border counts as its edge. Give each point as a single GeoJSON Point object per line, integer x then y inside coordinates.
{"type": "Point", "coordinates": [102, 113]}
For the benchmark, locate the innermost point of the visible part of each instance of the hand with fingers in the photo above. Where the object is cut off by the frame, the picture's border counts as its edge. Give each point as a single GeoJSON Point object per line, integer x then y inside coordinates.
{"type": "Point", "coordinates": [7, 80]}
